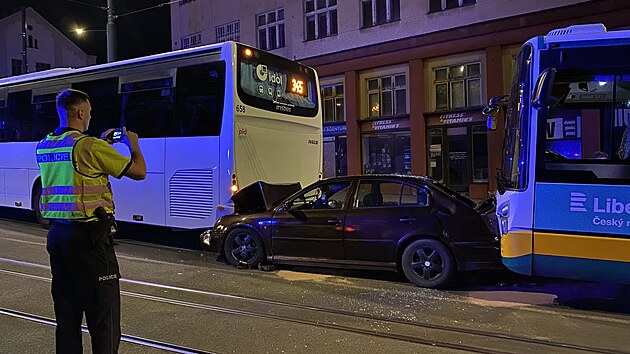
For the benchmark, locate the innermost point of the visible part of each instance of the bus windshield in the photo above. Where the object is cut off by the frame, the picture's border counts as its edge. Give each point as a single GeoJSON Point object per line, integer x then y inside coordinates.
{"type": "Point", "coordinates": [513, 171]}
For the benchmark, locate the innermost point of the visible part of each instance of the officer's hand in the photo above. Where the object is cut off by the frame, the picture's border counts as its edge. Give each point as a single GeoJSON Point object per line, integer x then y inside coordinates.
{"type": "Point", "coordinates": [107, 134]}
{"type": "Point", "coordinates": [130, 139]}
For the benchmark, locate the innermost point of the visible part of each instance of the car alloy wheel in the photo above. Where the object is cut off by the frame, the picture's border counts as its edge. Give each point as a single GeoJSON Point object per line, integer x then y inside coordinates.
{"type": "Point", "coordinates": [244, 248]}
{"type": "Point", "coordinates": [428, 263]}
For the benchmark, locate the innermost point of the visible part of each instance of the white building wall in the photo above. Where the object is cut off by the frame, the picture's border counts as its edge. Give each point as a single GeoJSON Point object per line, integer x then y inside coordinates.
{"type": "Point", "coordinates": [204, 15]}
{"type": "Point", "coordinates": [53, 47]}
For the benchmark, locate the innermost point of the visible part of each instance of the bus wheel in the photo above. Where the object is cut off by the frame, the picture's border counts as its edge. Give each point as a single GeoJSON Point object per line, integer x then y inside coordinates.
{"type": "Point", "coordinates": [37, 206]}
{"type": "Point", "coordinates": [428, 263]}
{"type": "Point", "coordinates": [244, 248]}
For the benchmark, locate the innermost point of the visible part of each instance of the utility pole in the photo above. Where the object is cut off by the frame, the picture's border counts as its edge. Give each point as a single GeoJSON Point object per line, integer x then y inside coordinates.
{"type": "Point", "coordinates": [111, 32]}
{"type": "Point", "coordinates": [24, 56]}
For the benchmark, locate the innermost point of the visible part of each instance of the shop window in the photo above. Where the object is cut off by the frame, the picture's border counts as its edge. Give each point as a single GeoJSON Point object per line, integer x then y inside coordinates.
{"type": "Point", "coordinates": [458, 86]}
{"type": "Point", "coordinates": [386, 153]}
{"type": "Point", "coordinates": [378, 12]}
{"type": "Point", "coordinates": [228, 32]}
{"type": "Point", "coordinates": [436, 166]}
{"type": "Point", "coordinates": [387, 95]}
{"type": "Point", "coordinates": [271, 30]}
{"type": "Point", "coordinates": [332, 96]}
{"type": "Point", "coordinates": [480, 154]}
{"type": "Point", "coordinates": [321, 18]}
{"type": "Point", "coordinates": [439, 5]}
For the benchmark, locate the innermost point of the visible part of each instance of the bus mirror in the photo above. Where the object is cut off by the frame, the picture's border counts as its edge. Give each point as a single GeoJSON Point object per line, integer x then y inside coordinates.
{"type": "Point", "coordinates": [492, 110]}
{"type": "Point", "coordinates": [543, 92]}
{"type": "Point", "coordinates": [491, 123]}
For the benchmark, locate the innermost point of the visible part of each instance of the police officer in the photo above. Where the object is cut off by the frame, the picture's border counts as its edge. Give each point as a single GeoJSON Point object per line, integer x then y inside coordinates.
{"type": "Point", "coordinates": [77, 198]}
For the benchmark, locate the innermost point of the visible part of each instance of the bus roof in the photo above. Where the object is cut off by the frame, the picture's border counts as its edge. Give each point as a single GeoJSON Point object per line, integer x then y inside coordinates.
{"type": "Point", "coordinates": [61, 72]}
{"type": "Point", "coordinates": [587, 32]}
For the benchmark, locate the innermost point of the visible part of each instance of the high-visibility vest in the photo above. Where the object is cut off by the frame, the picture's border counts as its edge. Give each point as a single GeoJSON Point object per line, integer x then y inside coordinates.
{"type": "Point", "coordinates": [67, 193]}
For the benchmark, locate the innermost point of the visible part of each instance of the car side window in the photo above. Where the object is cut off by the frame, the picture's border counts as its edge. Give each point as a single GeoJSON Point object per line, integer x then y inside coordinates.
{"type": "Point", "coordinates": [377, 194]}
{"type": "Point", "coordinates": [324, 196]}
{"type": "Point", "coordinates": [414, 196]}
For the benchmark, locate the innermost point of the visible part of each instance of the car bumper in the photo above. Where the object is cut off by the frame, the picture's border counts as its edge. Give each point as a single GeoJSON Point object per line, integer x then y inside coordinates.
{"type": "Point", "coordinates": [210, 240]}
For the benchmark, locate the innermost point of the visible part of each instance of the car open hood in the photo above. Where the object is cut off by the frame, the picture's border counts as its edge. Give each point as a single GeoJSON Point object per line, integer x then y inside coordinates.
{"type": "Point", "coordinates": [261, 196]}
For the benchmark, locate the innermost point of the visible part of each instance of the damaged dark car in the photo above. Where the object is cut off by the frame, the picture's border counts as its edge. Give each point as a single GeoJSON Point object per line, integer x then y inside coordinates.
{"type": "Point", "coordinates": [413, 225]}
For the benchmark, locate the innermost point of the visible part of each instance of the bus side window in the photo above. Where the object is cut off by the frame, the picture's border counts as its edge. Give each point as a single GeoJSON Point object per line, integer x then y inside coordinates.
{"type": "Point", "coordinates": [148, 113]}
{"type": "Point", "coordinates": [103, 94]}
{"type": "Point", "coordinates": [45, 117]}
{"type": "Point", "coordinates": [16, 119]}
{"type": "Point", "coordinates": [199, 99]}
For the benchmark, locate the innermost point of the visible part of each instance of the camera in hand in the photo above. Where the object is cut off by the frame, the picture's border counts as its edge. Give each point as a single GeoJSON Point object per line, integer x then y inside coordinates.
{"type": "Point", "coordinates": [115, 135]}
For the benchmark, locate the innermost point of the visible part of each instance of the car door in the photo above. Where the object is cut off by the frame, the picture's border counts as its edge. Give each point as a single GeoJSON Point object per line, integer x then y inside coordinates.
{"type": "Point", "coordinates": [311, 224]}
{"type": "Point", "coordinates": [381, 213]}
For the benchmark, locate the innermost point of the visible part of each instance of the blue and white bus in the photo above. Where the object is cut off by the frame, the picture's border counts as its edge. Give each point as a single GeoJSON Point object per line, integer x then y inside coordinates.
{"type": "Point", "coordinates": [564, 186]}
{"type": "Point", "coordinates": [210, 119]}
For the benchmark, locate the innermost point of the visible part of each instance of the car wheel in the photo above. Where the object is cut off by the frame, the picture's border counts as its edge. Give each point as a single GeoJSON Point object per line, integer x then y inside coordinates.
{"type": "Point", "coordinates": [37, 206]}
{"type": "Point", "coordinates": [428, 263]}
{"type": "Point", "coordinates": [244, 248]}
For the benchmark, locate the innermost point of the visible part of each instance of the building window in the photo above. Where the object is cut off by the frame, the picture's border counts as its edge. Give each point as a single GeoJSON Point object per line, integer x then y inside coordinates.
{"type": "Point", "coordinates": [378, 12]}
{"type": "Point", "coordinates": [458, 86]}
{"type": "Point", "coordinates": [332, 96]}
{"type": "Point", "coordinates": [387, 95]}
{"type": "Point", "coordinates": [41, 66]}
{"type": "Point", "coordinates": [439, 5]}
{"type": "Point", "coordinates": [192, 40]}
{"type": "Point", "coordinates": [271, 29]}
{"type": "Point", "coordinates": [16, 67]}
{"type": "Point", "coordinates": [321, 18]}
{"type": "Point", "coordinates": [228, 32]}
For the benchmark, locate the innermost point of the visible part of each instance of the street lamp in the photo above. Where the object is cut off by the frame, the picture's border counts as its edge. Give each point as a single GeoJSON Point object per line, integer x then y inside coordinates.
{"type": "Point", "coordinates": [111, 28]}
{"type": "Point", "coordinates": [111, 25]}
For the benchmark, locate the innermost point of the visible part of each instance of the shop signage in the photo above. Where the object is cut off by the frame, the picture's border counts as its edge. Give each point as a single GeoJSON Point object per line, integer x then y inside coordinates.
{"type": "Point", "coordinates": [455, 118]}
{"type": "Point", "coordinates": [337, 129]}
{"type": "Point", "coordinates": [385, 125]}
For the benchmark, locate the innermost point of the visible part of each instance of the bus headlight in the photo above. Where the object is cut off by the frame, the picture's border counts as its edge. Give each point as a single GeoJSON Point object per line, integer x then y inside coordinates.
{"type": "Point", "coordinates": [503, 214]}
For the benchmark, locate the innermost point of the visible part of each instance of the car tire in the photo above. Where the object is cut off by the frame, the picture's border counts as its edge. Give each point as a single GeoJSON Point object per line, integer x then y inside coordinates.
{"type": "Point", "coordinates": [244, 248]}
{"type": "Point", "coordinates": [36, 204]}
{"type": "Point", "coordinates": [428, 263]}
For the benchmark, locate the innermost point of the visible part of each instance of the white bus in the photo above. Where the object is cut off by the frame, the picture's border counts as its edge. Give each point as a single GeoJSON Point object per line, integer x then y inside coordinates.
{"type": "Point", "coordinates": [564, 186]}
{"type": "Point", "coordinates": [210, 119]}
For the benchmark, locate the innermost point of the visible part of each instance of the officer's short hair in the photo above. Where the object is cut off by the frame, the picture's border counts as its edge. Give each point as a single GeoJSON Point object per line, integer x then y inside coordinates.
{"type": "Point", "coordinates": [69, 98]}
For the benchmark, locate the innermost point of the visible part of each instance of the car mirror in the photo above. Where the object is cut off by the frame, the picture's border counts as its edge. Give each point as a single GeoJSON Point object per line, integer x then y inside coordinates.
{"type": "Point", "coordinates": [333, 204]}
{"type": "Point", "coordinates": [285, 207]}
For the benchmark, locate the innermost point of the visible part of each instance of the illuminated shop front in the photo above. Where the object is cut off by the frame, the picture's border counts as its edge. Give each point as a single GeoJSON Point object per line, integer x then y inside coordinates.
{"type": "Point", "coordinates": [386, 146]}
{"type": "Point", "coordinates": [335, 150]}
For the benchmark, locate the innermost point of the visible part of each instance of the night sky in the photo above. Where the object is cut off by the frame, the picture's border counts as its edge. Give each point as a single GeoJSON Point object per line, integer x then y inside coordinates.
{"type": "Point", "coordinates": [139, 34]}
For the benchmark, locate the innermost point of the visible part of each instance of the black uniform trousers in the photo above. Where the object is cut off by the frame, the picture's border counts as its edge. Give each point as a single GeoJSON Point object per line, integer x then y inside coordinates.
{"type": "Point", "coordinates": [84, 279]}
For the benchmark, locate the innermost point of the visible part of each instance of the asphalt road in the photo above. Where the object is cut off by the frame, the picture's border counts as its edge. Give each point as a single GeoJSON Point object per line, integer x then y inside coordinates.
{"type": "Point", "coordinates": [188, 302]}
